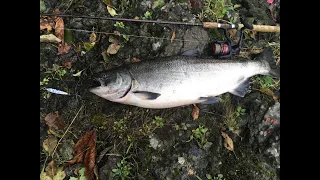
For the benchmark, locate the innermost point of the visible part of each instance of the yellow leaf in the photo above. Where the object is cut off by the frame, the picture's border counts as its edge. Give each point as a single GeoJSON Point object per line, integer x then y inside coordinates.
{"type": "Point", "coordinates": [93, 37]}
{"type": "Point", "coordinates": [111, 11]}
{"type": "Point", "coordinates": [60, 174]}
{"type": "Point", "coordinates": [44, 176]}
{"type": "Point", "coordinates": [49, 144]}
{"type": "Point", "coordinates": [78, 73]}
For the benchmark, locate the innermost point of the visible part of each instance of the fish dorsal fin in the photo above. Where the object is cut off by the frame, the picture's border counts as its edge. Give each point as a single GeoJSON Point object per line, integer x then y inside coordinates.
{"type": "Point", "coordinates": [241, 89]}
{"type": "Point", "coordinates": [145, 95]}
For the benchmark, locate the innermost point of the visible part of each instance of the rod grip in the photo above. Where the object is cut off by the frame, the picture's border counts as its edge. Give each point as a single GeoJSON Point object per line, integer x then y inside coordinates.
{"type": "Point", "coordinates": [259, 28]}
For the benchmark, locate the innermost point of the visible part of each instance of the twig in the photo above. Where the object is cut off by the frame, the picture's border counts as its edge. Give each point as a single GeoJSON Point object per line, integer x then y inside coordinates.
{"type": "Point", "coordinates": [55, 148]}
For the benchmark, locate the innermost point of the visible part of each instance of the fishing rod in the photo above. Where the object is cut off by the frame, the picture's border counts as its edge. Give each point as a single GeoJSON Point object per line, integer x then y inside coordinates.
{"type": "Point", "coordinates": [210, 25]}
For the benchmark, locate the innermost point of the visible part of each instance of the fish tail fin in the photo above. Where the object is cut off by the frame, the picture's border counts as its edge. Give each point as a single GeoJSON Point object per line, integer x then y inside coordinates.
{"type": "Point", "coordinates": [267, 57]}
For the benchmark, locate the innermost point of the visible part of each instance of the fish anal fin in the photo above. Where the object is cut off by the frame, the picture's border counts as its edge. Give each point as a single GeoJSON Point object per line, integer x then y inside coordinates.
{"type": "Point", "coordinates": [209, 100]}
{"type": "Point", "coordinates": [241, 89]}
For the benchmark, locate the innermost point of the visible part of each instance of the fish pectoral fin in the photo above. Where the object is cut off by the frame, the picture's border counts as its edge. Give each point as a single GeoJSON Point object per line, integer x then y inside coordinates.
{"type": "Point", "coordinates": [209, 100]}
{"type": "Point", "coordinates": [145, 95]}
{"type": "Point", "coordinates": [241, 89]}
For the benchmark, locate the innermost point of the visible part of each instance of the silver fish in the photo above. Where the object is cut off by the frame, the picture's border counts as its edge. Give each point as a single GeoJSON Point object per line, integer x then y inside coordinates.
{"type": "Point", "coordinates": [181, 80]}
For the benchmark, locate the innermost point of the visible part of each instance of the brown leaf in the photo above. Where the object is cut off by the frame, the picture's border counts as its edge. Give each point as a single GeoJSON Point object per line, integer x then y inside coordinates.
{"type": "Point", "coordinates": [59, 29]}
{"type": "Point", "coordinates": [173, 36]}
{"type": "Point", "coordinates": [85, 150]}
{"type": "Point", "coordinates": [67, 63]}
{"type": "Point", "coordinates": [135, 60]}
{"type": "Point", "coordinates": [107, 2]}
{"type": "Point", "coordinates": [195, 112]}
{"type": "Point", "coordinates": [93, 37]}
{"type": "Point", "coordinates": [63, 48]}
{"type": "Point", "coordinates": [55, 121]}
{"type": "Point", "coordinates": [228, 143]}
{"type": "Point", "coordinates": [50, 143]}
{"type": "Point", "coordinates": [45, 24]}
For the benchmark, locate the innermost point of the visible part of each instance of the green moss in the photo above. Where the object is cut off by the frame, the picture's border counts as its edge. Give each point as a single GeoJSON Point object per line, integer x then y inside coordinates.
{"type": "Point", "coordinates": [99, 120]}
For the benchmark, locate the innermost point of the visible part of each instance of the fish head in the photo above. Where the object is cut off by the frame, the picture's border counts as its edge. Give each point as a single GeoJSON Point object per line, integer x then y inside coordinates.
{"type": "Point", "coordinates": [111, 85]}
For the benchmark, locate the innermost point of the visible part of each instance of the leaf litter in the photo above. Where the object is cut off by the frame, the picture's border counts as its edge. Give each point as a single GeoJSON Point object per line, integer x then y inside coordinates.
{"type": "Point", "coordinates": [195, 112]}
{"type": "Point", "coordinates": [228, 143]}
{"type": "Point", "coordinates": [84, 151]}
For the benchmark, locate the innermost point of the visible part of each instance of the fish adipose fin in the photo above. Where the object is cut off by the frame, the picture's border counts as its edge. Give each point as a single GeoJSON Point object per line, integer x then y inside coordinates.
{"type": "Point", "coordinates": [145, 95]}
{"type": "Point", "coordinates": [209, 100]}
{"type": "Point", "coordinates": [267, 55]}
{"type": "Point", "coordinates": [241, 89]}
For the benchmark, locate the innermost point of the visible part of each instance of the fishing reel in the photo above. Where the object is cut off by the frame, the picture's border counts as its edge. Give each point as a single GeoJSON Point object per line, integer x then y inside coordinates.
{"type": "Point", "coordinates": [225, 49]}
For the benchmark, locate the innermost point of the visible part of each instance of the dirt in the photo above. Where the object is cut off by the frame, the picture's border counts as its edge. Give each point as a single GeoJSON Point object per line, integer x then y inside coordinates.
{"type": "Point", "coordinates": [151, 150]}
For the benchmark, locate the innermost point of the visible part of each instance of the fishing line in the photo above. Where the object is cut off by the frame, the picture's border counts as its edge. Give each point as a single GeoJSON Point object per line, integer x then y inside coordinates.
{"type": "Point", "coordinates": [131, 35]}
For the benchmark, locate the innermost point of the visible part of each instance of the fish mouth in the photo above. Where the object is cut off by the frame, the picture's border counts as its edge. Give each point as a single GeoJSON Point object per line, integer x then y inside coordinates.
{"type": "Point", "coordinates": [94, 84]}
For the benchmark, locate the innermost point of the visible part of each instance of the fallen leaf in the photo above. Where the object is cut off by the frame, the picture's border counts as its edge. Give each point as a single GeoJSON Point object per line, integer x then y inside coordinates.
{"type": "Point", "coordinates": [88, 46]}
{"type": "Point", "coordinates": [78, 74]}
{"type": "Point", "coordinates": [69, 37]}
{"type": "Point", "coordinates": [85, 150]}
{"type": "Point", "coordinates": [228, 143]}
{"type": "Point", "coordinates": [173, 36]}
{"type": "Point", "coordinates": [67, 63]}
{"type": "Point", "coordinates": [236, 6]}
{"type": "Point", "coordinates": [238, 132]}
{"type": "Point", "coordinates": [117, 33]}
{"type": "Point", "coordinates": [52, 172]}
{"type": "Point", "coordinates": [111, 11]}
{"type": "Point", "coordinates": [60, 174]}
{"type": "Point", "coordinates": [42, 6]}
{"type": "Point", "coordinates": [113, 39]}
{"type": "Point", "coordinates": [63, 48]}
{"type": "Point", "coordinates": [50, 38]}
{"type": "Point", "coordinates": [107, 2]}
{"type": "Point", "coordinates": [158, 3]}
{"type": "Point", "coordinates": [49, 144]}
{"type": "Point", "coordinates": [135, 60]}
{"type": "Point", "coordinates": [195, 112]}
{"type": "Point", "coordinates": [59, 29]}
{"type": "Point", "coordinates": [93, 37]}
{"type": "Point", "coordinates": [44, 176]}
{"type": "Point", "coordinates": [46, 24]}
{"type": "Point", "coordinates": [136, 17]}
{"type": "Point", "coordinates": [104, 56]}
{"type": "Point", "coordinates": [55, 121]}
{"type": "Point", "coordinates": [113, 48]}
